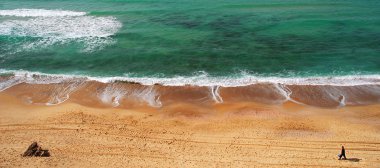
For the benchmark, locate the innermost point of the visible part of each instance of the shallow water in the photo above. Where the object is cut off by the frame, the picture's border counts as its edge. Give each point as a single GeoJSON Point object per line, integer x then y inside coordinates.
{"type": "Point", "coordinates": [189, 38]}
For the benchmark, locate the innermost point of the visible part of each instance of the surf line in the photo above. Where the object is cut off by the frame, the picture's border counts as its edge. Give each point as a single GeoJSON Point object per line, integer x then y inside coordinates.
{"type": "Point", "coordinates": [215, 94]}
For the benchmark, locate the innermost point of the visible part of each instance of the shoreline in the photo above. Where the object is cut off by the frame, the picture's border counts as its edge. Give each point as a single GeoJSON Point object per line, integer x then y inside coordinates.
{"type": "Point", "coordinates": [237, 134]}
{"type": "Point", "coordinates": [200, 79]}
{"type": "Point", "coordinates": [127, 94]}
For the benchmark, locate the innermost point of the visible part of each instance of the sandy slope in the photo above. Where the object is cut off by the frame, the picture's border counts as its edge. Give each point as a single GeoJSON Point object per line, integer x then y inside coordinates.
{"type": "Point", "coordinates": [233, 135]}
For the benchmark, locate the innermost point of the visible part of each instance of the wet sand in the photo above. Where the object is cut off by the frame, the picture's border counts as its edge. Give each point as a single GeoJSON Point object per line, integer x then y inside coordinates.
{"type": "Point", "coordinates": [239, 134]}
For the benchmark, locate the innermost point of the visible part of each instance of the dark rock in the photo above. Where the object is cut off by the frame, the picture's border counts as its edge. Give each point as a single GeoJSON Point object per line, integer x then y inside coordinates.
{"type": "Point", "coordinates": [35, 150]}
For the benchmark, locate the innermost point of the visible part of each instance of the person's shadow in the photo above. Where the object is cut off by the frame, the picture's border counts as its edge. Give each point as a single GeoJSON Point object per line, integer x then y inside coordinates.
{"type": "Point", "coordinates": [353, 159]}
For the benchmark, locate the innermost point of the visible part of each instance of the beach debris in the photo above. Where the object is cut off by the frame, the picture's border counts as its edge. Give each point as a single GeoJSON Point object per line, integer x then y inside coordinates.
{"type": "Point", "coordinates": [35, 150]}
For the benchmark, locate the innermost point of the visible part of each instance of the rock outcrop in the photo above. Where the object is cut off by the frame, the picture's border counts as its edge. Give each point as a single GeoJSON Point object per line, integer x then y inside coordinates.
{"type": "Point", "coordinates": [35, 150]}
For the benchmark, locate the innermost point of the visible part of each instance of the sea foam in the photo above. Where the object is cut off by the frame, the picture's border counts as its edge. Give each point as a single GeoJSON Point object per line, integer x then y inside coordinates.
{"type": "Point", "coordinates": [201, 80]}
{"type": "Point", "coordinates": [39, 13]}
{"type": "Point", "coordinates": [50, 27]}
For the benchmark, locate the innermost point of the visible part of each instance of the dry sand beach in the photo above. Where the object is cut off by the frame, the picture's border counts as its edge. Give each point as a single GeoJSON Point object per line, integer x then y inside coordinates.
{"type": "Point", "coordinates": [242, 134]}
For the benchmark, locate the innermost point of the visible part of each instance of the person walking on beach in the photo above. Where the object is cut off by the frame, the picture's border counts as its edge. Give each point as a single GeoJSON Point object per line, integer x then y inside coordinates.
{"type": "Point", "coordinates": [342, 154]}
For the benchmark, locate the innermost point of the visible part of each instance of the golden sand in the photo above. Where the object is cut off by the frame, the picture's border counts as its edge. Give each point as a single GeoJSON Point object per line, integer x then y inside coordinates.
{"type": "Point", "coordinates": [242, 134]}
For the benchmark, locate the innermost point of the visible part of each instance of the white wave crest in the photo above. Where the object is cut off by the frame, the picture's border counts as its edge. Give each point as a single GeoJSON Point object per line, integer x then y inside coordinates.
{"type": "Point", "coordinates": [204, 80]}
{"type": "Point", "coordinates": [61, 27]}
{"type": "Point", "coordinates": [33, 78]}
{"type": "Point", "coordinates": [349, 80]}
{"type": "Point", "coordinates": [39, 13]}
{"type": "Point", "coordinates": [64, 27]}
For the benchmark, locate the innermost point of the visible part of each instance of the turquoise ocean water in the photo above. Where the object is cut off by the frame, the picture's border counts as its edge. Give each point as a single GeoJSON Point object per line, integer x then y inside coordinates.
{"type": "Point", "coordinates": [186, 38]}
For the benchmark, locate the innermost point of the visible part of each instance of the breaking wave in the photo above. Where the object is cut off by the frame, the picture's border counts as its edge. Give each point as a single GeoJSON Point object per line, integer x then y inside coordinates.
{"type": "Point", "coordinates": [50, 27]}
{"type": "Point", "coordinates": [201, 80]}
{"type": "Point", "coordinates": [39, 13]}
